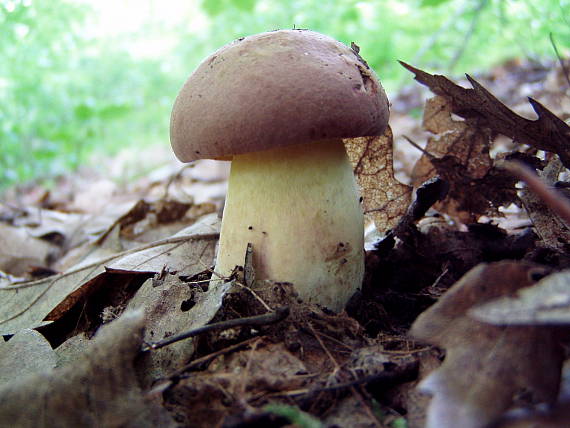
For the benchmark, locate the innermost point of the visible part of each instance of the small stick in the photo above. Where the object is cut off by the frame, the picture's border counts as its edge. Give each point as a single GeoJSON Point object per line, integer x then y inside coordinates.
{"type": "Point", "coordinates": [560, 59]}
{"type": "Point", "coordinates": [205, 358]}
{"type": "Point", "coordinates": [269, 318]}
{"type": "Point", "coordinates": [555, 201]}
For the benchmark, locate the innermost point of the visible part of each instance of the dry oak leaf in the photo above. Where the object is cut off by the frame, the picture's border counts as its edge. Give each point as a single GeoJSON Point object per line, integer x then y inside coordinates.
{"type": "Point", "coordinates": [458, 152]}
{"type": "Point", "coordinates": [100, 389]}
{"type": "Point", "coordinates": [545, 303]}
{"type": "Point", "coordinates": [548, 132]}
{"type": "Point", "coordinates": [468, 144]}
{"type": "Point", "coordinates": [488, 369]}
{"type": "Point", "coordinates": [384, 197]}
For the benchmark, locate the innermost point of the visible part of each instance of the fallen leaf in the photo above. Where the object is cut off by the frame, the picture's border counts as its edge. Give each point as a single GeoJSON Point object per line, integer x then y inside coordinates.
{"type": "Point", "coordinates": [244, 375]}
{"type": "Point", "coordinates": [552, 230]}
{"type": "Point", "coordinates": [70, 350]}
{"type": "Point", "coordinates": [545, 303]}
{"type": "Point", "coordinates": [28, 305]}
{"type": "Point", "coordinates": [469, 145]}
{"type": "Point", "coordinates": [99, 390]}
{"type": "Point", "coordinates": [19, 251]}
{"type": "Point", "coordinates": [458, 152]}
{"type": "Point", "coordinates": [26, 353]}
{"type": "Point", "coordinates": [173, 307]}
{"type": "Point", "coordinates": [556, 416]}
{"type": "Point", "coordinates": [384, 197]}
{"type": "Point", "coordinates": [488, 369]}
{"type": "Point", "coordinates": [548, 132]}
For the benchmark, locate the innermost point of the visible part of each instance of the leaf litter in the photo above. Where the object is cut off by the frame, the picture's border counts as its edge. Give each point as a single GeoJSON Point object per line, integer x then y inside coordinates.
{"type": "Point", "coordinates": [464, 295]}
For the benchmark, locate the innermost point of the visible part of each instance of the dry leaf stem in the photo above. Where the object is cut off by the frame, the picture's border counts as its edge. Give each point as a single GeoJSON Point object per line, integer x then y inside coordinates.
{"type": "Point", "coordinates": [557, 202]}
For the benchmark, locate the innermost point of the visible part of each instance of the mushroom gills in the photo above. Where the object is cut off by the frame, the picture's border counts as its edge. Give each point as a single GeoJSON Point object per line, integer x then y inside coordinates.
{"type": "Point", "coordinates": [299, 207]}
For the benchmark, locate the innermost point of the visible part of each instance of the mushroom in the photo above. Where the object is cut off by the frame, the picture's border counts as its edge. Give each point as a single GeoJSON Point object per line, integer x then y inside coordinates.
{"type": "Point", "coordinates": [278, 104]}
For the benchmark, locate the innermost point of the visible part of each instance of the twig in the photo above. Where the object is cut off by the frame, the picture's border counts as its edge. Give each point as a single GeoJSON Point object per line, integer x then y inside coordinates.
{"type": "Point", "coordinates": [432, 40]}
{"type": "Point", "coordinates": [353, 389]}
{"type": "Point", "coordinates": [560, 60]}
{"type": "Point", "coordinates": [382, 378]}
{"type": "Point", "coordinates": [269, 318]}
{"type": "Point", "coordinates": [477, 14]}
{"type": "Point", "coordinates": [555, 201]}
{"type": "Point", "coordinates": [199, 361]}
{"type": "Point", "coordinates": [176, 176]}
{"type": "Point", "coordinates": [418, 147]}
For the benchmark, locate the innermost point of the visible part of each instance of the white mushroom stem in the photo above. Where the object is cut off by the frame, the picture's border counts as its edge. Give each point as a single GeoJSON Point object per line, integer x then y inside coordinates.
{"type": "Point", "coordinates": [298, 205]}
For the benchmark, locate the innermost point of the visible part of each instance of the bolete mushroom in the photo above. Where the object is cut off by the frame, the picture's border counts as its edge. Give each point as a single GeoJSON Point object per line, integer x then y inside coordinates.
{"type": "Point", "coordinates": [278, 104]}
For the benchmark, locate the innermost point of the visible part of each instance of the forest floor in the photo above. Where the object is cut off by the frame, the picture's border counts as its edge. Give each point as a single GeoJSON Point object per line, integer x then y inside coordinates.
{"type": "Point", "coordinates": [462, 320]}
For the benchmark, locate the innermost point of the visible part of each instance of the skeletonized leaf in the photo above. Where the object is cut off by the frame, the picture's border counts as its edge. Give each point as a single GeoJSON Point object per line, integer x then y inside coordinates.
{"type": "Point", "coordinates": [384, 197]}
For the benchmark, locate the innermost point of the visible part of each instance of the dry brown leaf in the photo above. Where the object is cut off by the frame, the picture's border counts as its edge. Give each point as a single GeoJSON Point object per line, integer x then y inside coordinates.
{"type": "Point", "coordinates": [61, 228]}
{"type": "Point", "coordinates": [28, 305]}
{"type": "Point", "coordinates": [548, 132]}
{"type": "Point", "coordinates": [552, 230]}
{"type": "Point", "coordinates": [99, 390]}
{"type": "Point", "coordinates": [172, 307]}
{"type": "Point", "coordinates": [487, 369]}
{"type": "Point", "coordinates": [556, 416]}
{"type": "Point", "coordinates": [545, 303]}
{"type": "Point", "coordinates": [467, 144]}
{"type": "Point", "coordinates": [384, 197]}
{"type": "Point", "coordinates": [202, 399]}
{"type": "Point", "coordinates": [19, 251]}
{"type": "Point", "coordinates": [191, 250]}
{"type": "Point", "coordinates": [459, 153]}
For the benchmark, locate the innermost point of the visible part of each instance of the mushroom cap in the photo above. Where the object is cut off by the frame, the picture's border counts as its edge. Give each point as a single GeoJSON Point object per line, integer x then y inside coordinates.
{"type": "Point", "coordinates": [274, 89]}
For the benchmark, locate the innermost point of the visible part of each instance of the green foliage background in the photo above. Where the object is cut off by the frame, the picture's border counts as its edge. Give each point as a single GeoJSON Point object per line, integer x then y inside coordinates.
{"type": "Point", "coordinates": [66, 96]}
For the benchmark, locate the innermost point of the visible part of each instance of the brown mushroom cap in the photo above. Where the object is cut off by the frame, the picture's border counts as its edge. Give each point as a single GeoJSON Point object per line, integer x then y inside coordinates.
{"type": "Point", "coordinates": [274, 89]}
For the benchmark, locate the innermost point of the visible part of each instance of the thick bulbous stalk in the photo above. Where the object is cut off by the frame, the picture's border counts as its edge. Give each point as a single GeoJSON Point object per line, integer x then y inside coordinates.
{"type": "Point", "coordinates": [299, 207]}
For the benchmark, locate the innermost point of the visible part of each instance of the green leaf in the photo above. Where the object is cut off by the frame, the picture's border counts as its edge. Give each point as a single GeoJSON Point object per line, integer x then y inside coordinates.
{"type": "Point", "coordinates": [244, 5]}
{"type": "Point", "coordinates": [295, 415]}
{"type": "Point", "coordinates": [84, 112]}
{"type": "Point", "coordinates": [114, 111]}
{"type": "Point", "coordinates": [432, 3]}
{"type": "Point", "coordinates": [213, 7]}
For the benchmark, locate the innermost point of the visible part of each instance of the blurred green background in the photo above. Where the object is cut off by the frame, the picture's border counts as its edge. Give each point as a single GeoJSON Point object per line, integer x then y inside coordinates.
{"type": "Point", "coordinates": [80, 80]}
